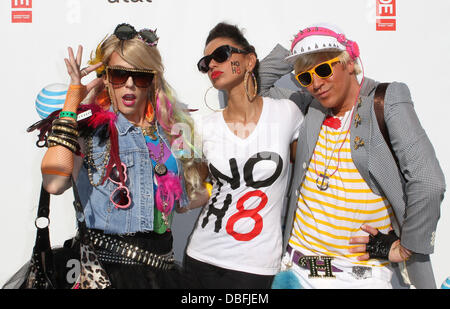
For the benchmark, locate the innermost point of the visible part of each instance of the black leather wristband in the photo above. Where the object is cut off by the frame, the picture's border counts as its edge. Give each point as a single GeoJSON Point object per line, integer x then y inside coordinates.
{"type": "Point", "coordinates": [379, 246]}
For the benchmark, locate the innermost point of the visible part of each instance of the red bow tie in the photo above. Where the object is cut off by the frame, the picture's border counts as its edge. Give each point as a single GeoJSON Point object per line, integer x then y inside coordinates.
{"type": "Point", "coordinates": [332, 122]}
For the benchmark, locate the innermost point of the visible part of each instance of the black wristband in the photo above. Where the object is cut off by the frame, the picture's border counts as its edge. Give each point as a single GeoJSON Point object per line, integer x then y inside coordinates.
{"type": "Point", "coordinates": [380, 245]}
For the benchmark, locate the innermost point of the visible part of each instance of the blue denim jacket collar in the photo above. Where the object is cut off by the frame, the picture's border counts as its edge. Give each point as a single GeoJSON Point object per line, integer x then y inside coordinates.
{"type": "Point", "coordinates": [123, 124]}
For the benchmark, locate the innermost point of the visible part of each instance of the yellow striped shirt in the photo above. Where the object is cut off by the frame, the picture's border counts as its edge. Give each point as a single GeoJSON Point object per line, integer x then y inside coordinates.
{"type": "Point", "coordinates": [325, 220]}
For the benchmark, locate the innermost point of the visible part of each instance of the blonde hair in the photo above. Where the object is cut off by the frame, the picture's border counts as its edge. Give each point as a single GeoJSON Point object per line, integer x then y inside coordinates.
{"type": "Point", "coordinates": [167, 111]}
{"type": "Point", "coordinates": [307, 61]}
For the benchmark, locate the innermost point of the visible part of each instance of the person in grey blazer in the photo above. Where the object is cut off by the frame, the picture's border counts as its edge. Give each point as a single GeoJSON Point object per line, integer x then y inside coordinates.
{"type": "Point", "coordinates": [413, 187]}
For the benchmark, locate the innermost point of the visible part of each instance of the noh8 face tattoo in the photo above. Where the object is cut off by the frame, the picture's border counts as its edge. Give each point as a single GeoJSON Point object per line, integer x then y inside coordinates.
{"type": "Point", "coordinates": [235, 67]}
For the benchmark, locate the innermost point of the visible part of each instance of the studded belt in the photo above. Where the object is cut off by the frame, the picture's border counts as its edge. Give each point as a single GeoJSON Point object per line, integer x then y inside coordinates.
{"type": "Point", "coordinates": [315, 263]}
{"type": "Point", "coordinates": [113, 250]}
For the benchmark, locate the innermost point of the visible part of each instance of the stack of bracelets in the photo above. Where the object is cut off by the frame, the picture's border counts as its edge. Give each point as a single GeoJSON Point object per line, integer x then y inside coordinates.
{"type": "Point", "coordinates": [65, 132]}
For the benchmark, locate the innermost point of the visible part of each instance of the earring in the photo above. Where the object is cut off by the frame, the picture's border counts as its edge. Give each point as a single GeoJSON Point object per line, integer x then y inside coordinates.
{"type": "Point", "coordinates": [206, 103]}
{"type": "Point", "coordinates": [103, 99]}
{"type": "Point", "coordinates": [255, 92]}
{"type": "Point", "coordinates": [149, 112]}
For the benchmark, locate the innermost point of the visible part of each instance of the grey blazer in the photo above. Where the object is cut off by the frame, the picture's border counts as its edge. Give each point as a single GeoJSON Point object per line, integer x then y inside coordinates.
{"type": "Point", "coordinates": [415, 191]}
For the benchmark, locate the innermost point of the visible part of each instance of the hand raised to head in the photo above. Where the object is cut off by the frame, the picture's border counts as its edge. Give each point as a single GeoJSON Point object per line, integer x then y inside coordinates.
{"type": "Point", "coordinates": [73, 64]}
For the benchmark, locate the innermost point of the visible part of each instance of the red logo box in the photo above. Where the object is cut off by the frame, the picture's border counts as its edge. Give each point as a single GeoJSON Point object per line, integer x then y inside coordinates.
{"type": "Point", "coordinates": [21, 4]}
{"type": "Point", "coordinates": [386, 8]}
{"type": "Point", "coordinates": [386, 25]}
{"type": "Point", "coordinates": [21, 17]}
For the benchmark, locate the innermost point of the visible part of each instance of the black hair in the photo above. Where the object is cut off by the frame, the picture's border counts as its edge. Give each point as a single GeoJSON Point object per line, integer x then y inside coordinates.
{"type": "Point", "coordinates": [232, 32]}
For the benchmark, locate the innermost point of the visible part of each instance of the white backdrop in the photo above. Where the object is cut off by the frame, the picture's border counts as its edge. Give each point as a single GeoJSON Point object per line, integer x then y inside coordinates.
{"type": "Point", "coordinates": [32, 57]}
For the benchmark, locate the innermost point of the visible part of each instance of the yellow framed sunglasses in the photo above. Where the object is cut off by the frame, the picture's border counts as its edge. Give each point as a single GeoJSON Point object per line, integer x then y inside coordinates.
{"type": "Point", "coordinates": [323, 70]}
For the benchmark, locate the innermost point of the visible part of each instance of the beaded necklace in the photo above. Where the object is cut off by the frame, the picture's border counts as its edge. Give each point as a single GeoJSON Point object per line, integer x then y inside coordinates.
{"type": "Point", "coordinates": [160, 170]}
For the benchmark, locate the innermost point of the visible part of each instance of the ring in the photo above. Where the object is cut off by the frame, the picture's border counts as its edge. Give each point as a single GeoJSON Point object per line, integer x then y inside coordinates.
{"type": "Point", "coordinates": [83, 72]}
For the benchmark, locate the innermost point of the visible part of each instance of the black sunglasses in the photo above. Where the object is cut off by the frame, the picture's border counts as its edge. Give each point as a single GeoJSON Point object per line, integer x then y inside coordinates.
{"type": "Point", "coordinates": [127, 32]}
{"type": "Point", "coordinates": [220, 54]}
{"type": "Point", "coordinates": [118, 76]}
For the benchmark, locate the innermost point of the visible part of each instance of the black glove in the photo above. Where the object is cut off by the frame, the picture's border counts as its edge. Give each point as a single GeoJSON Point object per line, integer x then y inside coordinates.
{"type": "Point", "coordinates": [379, 245]}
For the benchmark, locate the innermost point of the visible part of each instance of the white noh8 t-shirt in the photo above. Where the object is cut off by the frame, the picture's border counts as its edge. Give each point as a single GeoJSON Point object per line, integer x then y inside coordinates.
{"type": "Point", "coordinates": [240, 227]}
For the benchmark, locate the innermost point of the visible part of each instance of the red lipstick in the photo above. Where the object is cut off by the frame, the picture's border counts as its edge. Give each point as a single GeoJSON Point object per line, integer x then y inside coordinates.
{"type": "Point", "coordinates": [129, 99]}
{"type": "Point", "coordinates": [216, 74]}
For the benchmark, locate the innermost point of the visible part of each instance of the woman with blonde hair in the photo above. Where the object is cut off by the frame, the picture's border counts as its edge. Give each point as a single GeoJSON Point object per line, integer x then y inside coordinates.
{"type": "Point", "coordinates": [131, 164]}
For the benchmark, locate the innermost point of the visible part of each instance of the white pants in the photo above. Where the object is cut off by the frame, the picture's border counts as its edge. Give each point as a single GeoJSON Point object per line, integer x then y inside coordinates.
{"type": "Point", "coordinates": [343, 280]}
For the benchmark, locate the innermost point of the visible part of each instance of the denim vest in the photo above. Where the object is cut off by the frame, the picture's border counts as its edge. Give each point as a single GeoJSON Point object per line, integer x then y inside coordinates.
{"type": "Point", "coordinates": [99, 211]}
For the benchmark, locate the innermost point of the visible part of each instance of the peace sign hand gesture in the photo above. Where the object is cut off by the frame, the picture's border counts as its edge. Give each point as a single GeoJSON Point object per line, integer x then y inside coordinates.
{"type": "Point", "coordinates": [76, 74]}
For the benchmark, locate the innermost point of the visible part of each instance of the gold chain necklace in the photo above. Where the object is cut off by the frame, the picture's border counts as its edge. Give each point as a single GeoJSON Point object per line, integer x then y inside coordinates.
{"type": "Point", "coordinates": [90, 161]}
{"type": "Point", "coordinates": [150, 131]}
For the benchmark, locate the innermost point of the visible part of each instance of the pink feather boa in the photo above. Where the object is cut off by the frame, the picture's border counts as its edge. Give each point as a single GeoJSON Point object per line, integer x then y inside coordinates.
{"type": "Point", "coordinates": [169, 190]}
